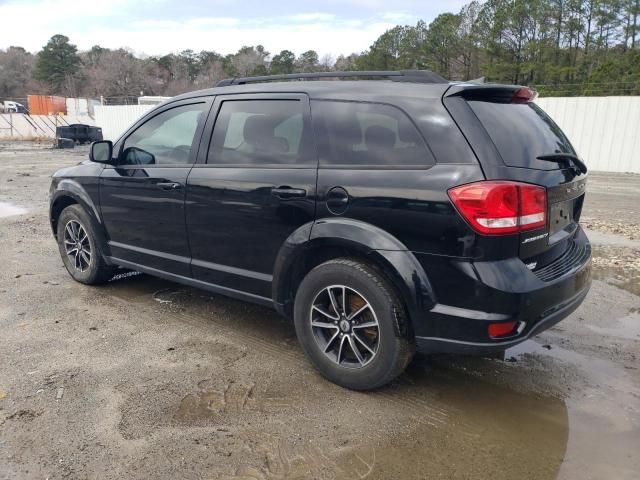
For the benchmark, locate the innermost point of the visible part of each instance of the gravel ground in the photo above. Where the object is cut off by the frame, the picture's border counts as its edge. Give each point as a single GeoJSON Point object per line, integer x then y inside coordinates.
{"type": "Point", "coordinates": [142, 378]}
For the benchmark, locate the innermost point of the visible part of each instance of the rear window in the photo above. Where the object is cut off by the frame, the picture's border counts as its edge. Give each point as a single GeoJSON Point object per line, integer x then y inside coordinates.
{"type": "Point", "coordinates": [367, 135]}
{"type": "Point", "coordinates": [522, 132]}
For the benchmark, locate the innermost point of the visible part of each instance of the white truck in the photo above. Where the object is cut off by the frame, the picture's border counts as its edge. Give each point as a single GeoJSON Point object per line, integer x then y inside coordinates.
{"type": "Point", "coordinates": [14, 107]}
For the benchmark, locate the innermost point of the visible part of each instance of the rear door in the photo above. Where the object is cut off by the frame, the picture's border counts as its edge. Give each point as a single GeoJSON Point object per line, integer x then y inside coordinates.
{"type": "Point", "coordinates": [255, 187]}
{"type": "Point", "coordinates": [376, 167]}
{"type": "Point", "coordinates": [509, 133]}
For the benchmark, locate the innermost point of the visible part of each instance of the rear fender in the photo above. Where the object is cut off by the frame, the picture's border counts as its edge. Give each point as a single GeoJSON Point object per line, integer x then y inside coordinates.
{"type": "Point", "coordinates": [383, 250]}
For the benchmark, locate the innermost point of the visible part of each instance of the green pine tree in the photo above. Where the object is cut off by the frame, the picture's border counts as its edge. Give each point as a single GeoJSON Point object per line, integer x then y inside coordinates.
{"type": "Point", "coordinates": [56, 63]}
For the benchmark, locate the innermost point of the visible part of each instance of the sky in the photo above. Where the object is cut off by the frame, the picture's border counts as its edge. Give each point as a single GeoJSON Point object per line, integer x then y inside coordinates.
{"type": "Point", "coordinates": [155, 27]}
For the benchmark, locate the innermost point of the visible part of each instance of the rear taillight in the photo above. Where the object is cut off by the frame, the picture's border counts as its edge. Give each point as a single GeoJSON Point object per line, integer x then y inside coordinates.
{"type": "Point", "coordinates": [501, 206]}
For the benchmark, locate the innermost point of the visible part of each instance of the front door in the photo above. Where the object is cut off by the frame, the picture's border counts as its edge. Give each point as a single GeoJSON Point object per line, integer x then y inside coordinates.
{"type": "Point", "coordinates": [255, 189]}
{"type": "Point", "coordinates": [142, 196]}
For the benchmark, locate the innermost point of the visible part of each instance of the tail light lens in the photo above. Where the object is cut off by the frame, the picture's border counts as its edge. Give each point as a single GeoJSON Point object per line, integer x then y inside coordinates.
{"type": "Point", "coordinates": [493, 207]}
{"type": "Point", "coordinates": [524, 95]}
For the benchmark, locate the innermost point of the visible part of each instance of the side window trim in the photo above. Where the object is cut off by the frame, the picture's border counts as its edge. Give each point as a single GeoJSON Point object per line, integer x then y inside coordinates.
{"type": "Point", "coordinates": [207, 137]}
{"type": "Point", "coordinates": [208, 103]}
{"type": "Point", "coordinates": [429, 163]}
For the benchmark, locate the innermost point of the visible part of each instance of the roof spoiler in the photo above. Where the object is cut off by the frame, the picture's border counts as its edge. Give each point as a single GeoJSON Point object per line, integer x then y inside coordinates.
{"type": "Point", "coordinates": [492, 92]}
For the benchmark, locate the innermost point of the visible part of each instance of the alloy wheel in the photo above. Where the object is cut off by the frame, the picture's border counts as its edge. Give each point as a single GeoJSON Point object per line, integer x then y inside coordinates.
{"type": "Point", "coordinates": [345, 326]}
{"type": "Point", "coordinates": [77, 245]}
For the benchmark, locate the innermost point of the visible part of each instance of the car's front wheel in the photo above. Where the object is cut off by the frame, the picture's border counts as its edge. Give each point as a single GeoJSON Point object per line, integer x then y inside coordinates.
{"type": "Point", "coordinates": [346, 317]}
{"type": "Point", "coordinates": [79, 247]}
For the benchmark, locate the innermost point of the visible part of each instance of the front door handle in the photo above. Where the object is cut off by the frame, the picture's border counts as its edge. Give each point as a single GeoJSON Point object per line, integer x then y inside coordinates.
{"type": "Point", "coordinates": [169, 185]}
{"type": "Point", "coordinates": [288, 192]}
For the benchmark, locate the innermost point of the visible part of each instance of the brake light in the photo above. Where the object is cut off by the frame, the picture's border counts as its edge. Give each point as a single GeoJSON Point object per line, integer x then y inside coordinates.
{"type": "Point", "coordinates": [524, 95]}
{"type": "Point", "coordinates": [501, 206]}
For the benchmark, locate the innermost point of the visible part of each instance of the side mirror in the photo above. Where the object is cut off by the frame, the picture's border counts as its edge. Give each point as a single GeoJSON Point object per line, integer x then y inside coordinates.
{"type": "Point", "coordinates": [101, 151]}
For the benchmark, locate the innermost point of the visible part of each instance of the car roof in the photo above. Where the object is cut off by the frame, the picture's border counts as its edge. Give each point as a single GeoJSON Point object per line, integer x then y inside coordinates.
{"type": "Point", "coordinates": [369, 90]}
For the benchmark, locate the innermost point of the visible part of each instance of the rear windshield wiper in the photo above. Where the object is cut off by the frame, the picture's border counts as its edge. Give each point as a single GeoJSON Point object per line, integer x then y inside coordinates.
{"type": "Point", "coordinates": [564, 157]}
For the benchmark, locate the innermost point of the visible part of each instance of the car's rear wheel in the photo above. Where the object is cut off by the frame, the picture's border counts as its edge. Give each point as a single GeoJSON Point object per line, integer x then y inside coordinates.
{"type": "Point", "coordinates": [79, 247]}
{"type": "Point", "coordinates": [346, 317]}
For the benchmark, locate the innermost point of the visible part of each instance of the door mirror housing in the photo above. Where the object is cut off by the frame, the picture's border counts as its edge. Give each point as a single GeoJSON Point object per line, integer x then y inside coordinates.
{"type": "Point", "coordinates": [101, 152]}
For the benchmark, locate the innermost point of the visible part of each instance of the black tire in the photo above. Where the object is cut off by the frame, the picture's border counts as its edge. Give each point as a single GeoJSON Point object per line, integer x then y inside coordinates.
{"type": "Point", "coordinates": [96, 270]}
{"type": "Point", "coordinates": [392, 353]}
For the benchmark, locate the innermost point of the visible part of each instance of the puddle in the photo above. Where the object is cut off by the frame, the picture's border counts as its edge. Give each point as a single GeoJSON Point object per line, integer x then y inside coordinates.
{"type": "Point", "coordinates": [9, 210]}
{"type": "Point", "coordinates": [598, 372]}
{"type": "Point", "coordinates": [604, 415]}
{"type": "Point", "coordinates": [595, 367]}
{"type": "Point", "coordinates": [438, 420]}
{"type": "Point", "coordinates": [485, 431]}
{"type": "Point", "coordinates": [285, 422]}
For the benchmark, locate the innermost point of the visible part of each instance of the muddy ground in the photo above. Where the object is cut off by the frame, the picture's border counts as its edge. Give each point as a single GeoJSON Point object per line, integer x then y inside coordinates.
{"type": "Point", "coordinates": [143, 378]}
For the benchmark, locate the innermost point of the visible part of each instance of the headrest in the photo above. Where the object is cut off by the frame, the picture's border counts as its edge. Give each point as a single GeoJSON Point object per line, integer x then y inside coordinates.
{"type": "Point", "coordinates": [379, 137]}
{"type": "Point", "coordinates": [257, 129]}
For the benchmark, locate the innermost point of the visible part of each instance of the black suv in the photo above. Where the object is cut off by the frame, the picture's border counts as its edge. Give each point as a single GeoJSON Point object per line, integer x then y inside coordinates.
{"type": "Point", "coordinates": [381, 216]}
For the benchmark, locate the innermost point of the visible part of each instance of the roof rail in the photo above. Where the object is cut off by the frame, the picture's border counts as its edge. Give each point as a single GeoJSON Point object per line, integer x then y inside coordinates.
{"type": "Point", "coordinates": [414, 76]}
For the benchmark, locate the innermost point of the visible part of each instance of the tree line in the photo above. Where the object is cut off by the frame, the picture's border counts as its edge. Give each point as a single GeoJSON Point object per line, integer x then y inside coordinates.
{"type": "Point", "coordinates": [561, 47]}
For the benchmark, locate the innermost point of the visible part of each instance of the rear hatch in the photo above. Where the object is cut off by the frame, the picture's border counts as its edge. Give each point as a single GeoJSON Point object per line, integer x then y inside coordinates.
{"type": "Point", "coordinates": [516, 140]}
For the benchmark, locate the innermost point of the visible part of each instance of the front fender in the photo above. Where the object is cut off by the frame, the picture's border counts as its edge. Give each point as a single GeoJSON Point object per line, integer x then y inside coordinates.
{"type": "Point", "coordinates": [73, 189]}
{"type": "Point", "coordinates": [68, 191]}
{"type": "Point", "coordinates": [384, 251]}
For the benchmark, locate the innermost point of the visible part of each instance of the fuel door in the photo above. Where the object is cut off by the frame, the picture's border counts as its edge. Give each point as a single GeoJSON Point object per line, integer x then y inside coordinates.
{"type": "Point", "coordinates": [337, 200]}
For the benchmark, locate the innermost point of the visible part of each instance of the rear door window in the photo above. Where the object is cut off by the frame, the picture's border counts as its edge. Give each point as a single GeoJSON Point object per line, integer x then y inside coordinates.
{"type": "Point", "coordinates": [353, 134]}
{"type": "Point", "coordinates": [522, 132]}
{"type": "Point", "coordinates": [261, 132]}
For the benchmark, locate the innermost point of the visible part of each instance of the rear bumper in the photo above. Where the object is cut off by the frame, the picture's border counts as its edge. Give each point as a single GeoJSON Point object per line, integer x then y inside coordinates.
{"type": "Point", "coordinates": [450, 345]}
{"type": "Point", "coordinates": [471, 295]}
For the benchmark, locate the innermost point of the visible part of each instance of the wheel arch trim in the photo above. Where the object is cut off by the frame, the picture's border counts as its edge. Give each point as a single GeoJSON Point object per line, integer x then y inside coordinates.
{"type": "Point", "coordinates": [71, 189]}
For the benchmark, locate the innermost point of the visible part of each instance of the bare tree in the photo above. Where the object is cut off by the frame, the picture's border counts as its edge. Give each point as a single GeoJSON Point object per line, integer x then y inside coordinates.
{"type": "Point", "coordinates": [326, 63]}
{"type": "Point", "coordinates": [113, 73]}
{"type": "Point", "coordinates": [16, 71]}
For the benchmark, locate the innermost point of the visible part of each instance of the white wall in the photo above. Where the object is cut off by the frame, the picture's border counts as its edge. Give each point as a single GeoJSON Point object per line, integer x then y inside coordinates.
{"type": "Point", "coordinates": [115, 119]}
{"type": "Point", "coordinates": [82, 109]}
{"type": "Point", "coordinates": [19, 126]}
{"type": "Point", "coordinates": [604, 130]}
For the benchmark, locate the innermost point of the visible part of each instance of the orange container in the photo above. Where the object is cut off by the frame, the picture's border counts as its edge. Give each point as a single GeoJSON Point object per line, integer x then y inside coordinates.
{"type": "Point", "coordinates": [46, 105]}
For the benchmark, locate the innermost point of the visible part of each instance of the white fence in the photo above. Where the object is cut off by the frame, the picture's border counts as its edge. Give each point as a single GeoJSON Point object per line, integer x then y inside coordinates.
{"type": "Point", "coordinates": [115, 119]}
{"type": "Point", "coordinates": [604, 130]}
{"type": "Point", "coordinates": [20, 126]}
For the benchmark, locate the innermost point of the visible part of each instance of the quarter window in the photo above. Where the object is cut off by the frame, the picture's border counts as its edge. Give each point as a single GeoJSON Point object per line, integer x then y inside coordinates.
{"type": "Point", "coordinates": [367, 134]}
{"type": "Point", "coordinates": [166, 139]}
{"type": "Point", "coordinates": [260, 132]}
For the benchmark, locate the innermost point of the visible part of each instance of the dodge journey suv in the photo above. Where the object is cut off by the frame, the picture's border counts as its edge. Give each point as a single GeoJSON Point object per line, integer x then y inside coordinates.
{"type": "Point", "coordinates": [395, 213]}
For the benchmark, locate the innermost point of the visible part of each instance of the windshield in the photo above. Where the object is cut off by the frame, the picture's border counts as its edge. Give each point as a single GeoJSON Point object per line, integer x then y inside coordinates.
{"type": "Point", "coordinates": [522, 132]}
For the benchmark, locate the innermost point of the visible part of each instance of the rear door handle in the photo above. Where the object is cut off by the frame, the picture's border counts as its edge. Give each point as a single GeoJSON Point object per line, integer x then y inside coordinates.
{"type": "Point", "coordinates": [288, 192]}
{"type": "Point", "coordinates": [169, 185]}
